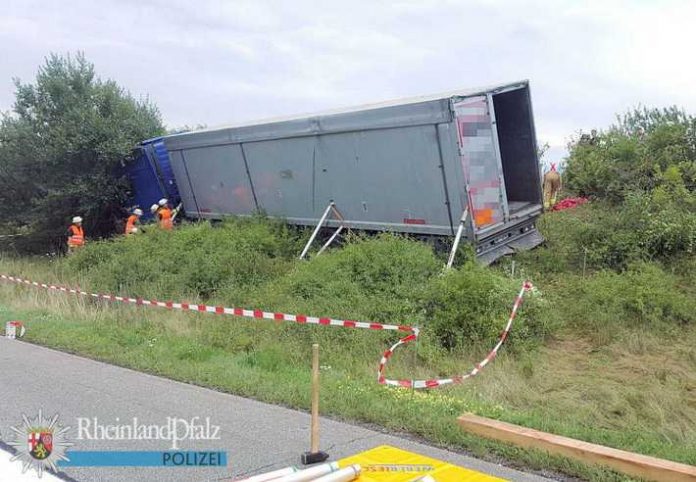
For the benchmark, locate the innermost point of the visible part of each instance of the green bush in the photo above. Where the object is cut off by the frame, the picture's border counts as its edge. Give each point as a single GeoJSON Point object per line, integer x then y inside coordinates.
{"type": "Point", "coordinates": [658, 225]}
{"type": "Point", "coordinates": [252, 263]}
{"type": "Point", "coordinates": [373, 278]}
{"type": "Point", "coordinates": [195, 260]}
{"type": "Point", "coordinates": [634, 154]}
{"type": "Point", "coordinates": [472, 305]}
{"type": "Point", "coordinates": [644, 296]}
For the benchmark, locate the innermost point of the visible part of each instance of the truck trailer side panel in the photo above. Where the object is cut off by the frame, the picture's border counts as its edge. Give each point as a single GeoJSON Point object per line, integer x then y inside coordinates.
{"type": "Point", "coordinates": [384, 179]}
{"type": "Point", "coordinates": [282, 175]}
{"type": "Point", "coordinates": [408, 166]}
{"type": "Point", "coordinates": [213, 181]}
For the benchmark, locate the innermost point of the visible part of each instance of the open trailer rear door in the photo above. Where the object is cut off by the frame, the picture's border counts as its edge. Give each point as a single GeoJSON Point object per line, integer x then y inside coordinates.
{"type": "Point", "coordinates": [477, 153]}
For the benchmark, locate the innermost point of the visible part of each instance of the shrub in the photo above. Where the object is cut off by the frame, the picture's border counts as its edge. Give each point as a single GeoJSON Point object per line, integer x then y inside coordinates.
{"type": "Point", "coordinates": [375, 278]}
{"type": "Point", "coordinates": [643, 296]}
{"type": "Point", "coordinates": [194, 260]}
{"type": "Point", "coordinates": [252, 262]}
{"type": "Point", "coordinates": [473, 303]}
{"type": "Point", "coordinates": [634, 154]}
{"type": "Point", "coordinates": [660, 225]}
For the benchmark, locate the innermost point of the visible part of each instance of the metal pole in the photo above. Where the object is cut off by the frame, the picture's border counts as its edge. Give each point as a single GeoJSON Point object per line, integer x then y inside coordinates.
{"type": "Point", "coordinates": [331, 240]}
{"type": "Point", "coordinates": [584, 261]}
{"type": "Point", "coordinates": [512, 270]}
{"type": "Point", "coordinates": [316, 230]}
{"type": "Point", "coordinates": [315, 399]}
{"type": "Point", "coordinates": [457, 238]}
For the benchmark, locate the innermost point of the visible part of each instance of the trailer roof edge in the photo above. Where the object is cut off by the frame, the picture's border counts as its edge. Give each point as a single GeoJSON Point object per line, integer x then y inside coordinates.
{"type": "Point", "coordinates": [471, 92]}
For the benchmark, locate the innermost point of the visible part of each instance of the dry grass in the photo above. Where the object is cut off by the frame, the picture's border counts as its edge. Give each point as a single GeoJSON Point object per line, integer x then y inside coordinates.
{"type": "Point", "coordinates": [641, 384]}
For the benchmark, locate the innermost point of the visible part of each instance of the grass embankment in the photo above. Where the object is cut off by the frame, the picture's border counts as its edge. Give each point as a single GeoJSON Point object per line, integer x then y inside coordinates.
{"type": "Point", "coordinates": [607, 357]}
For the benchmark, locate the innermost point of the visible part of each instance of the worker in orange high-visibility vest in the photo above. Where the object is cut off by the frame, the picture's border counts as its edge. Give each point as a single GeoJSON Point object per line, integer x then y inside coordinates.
{"type": "Point", "coordinates": [76, 234]}
{"type": "Point", "coordinates": [164, 214]}
{"type": "Point", "coordinates": [132, 220]}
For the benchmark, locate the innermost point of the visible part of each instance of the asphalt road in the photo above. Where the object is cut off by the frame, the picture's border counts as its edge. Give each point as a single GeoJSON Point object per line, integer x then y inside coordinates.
{"type": "Point", "coordinates": [257, 437]}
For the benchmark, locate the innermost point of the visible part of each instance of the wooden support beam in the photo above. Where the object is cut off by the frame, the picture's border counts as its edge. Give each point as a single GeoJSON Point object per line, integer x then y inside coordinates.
{"type": "Point", "coordinates": [637, 465]}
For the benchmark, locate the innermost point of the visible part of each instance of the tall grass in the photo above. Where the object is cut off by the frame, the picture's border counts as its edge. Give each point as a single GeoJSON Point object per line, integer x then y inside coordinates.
{"type": "Point", "coordinates": [605, 356]}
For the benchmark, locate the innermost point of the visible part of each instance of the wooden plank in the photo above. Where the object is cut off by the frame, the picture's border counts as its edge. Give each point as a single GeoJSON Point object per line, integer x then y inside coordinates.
{"type": "Point", "coordinates": [637, 465]}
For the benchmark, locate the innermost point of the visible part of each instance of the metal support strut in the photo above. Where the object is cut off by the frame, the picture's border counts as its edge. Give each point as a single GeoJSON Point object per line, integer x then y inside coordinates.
{"type": "Point", "coordinates": [331, 208]}
{"type": "Point", "coordinates": [457, 238]}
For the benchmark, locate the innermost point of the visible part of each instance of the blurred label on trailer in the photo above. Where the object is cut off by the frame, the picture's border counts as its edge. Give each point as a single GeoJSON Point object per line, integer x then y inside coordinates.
{"type": "Point", "coordinates": [478, 157]}
{"type": "Point", "coordinates": [390, 464]}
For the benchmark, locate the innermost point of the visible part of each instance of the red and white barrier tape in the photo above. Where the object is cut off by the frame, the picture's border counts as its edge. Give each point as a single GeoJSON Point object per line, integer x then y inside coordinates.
{"type": "Point", "coordinates": [218, 310]}
{"type": "Point", "coordinates": [302, 319]}
{"type": "Point", "coordinates": [526, 286]}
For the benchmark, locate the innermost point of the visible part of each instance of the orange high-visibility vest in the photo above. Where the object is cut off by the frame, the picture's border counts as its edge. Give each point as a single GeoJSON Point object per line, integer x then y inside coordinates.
{"type": "Point", "coordinates": [165, 218]}
{"type": "Point", "coordinates": [130, 224]}
{"type": "Point", "coordinates": [77, 236]}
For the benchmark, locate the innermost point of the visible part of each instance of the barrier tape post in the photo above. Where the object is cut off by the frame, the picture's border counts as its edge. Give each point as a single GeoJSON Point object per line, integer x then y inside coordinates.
{"type": "Point", "coordinates": [314, 455]}
{"type": "Point", "coordinates": [14, 329]}
{"type": "Point", "coordinates": [304, 319]}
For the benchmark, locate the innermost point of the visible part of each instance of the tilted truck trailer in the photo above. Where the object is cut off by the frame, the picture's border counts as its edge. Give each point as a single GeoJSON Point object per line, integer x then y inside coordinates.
{"type": "Point", "coordinates": [411, 166]}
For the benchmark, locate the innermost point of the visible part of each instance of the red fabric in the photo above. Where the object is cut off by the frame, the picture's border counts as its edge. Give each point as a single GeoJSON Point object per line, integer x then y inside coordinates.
{"type": "Point", "coordinates": [569, 203]}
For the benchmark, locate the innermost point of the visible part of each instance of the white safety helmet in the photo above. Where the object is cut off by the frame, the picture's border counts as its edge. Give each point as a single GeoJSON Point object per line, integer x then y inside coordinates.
{"type": "Point", "coordinates": [154, 208]}
{"type": "Point", "coordinates": [76, 219]}
{"type": "Point", "coordinates": [134, 230]}
{"type": "Point", "coordinates": [163, 202]}
{"type": "Point", "coordinates": [138, 212]}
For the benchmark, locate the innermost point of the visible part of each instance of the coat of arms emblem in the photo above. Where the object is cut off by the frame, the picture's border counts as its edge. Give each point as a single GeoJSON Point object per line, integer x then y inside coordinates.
{"type": "Point", "coordinates": [40, 443]}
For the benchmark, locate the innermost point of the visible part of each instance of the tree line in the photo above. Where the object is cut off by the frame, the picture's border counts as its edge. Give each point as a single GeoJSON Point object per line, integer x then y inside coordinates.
{"type": "Point", "coordinates": [63, 149]}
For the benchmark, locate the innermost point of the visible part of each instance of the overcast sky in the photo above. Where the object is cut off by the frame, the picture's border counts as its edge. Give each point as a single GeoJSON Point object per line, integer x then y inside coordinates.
{"type": "Point", "coordinates": [219, 62]}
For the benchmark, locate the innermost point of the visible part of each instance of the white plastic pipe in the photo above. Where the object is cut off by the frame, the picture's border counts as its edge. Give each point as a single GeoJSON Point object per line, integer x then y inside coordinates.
{"type": "Point", "coordinates": [310, 474]}
{"type": "Point", "coordinates": [316, 230]}
{"type": "Point", "coordinates": [457, 238]}
{"type": "Point", "coordinates": [351, 472]}
{"type": "Point", "coordinates": [269, 476]}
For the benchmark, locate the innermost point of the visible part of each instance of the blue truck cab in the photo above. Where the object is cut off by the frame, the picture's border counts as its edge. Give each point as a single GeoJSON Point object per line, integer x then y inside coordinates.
{"type": "Point", "coordinates": [151, 175]}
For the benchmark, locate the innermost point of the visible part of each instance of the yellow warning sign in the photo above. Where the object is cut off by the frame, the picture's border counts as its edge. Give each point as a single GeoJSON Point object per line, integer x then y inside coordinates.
{"type": "Point", "coordinates": [389, 464]}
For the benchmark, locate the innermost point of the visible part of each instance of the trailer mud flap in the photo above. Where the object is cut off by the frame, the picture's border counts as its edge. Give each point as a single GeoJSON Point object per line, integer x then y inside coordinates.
{"type": "Point", "coordinates": [490, 256]}
{"type": "Point", "coordinates": [531, 239]}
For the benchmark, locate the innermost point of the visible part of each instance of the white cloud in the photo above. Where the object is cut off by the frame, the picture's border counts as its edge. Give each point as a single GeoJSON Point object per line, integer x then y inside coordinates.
{"type": "Point", "coordinates": [218, 62]}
